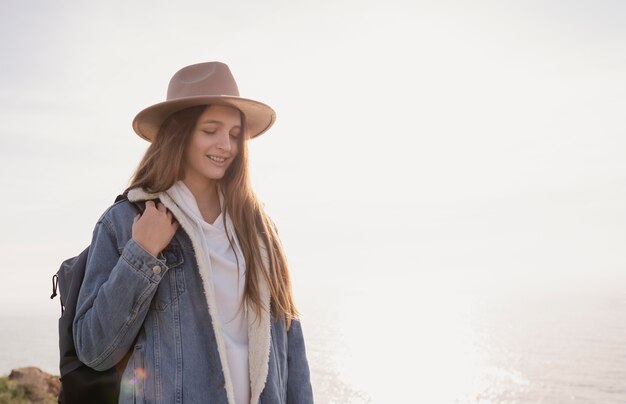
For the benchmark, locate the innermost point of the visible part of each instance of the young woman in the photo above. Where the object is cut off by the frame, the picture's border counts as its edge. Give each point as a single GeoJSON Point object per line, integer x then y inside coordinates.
{"type": "Point", "coordinates": [197, 287]}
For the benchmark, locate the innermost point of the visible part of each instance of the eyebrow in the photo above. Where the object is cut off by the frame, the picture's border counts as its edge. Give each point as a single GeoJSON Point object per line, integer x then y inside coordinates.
{"type": "Point", "coordinates": [218, 122]}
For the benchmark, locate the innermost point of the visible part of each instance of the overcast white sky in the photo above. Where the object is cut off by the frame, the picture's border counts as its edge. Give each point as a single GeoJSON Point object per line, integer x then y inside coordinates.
{"type": "Point", "coordinates": [477, 141]}
{"type": "Point", "coordinates": [427, 154]}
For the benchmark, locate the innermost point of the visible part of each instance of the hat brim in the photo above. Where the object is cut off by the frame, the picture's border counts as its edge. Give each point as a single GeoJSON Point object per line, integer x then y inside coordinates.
{"type": "Point", "coordinates": [259, 117]}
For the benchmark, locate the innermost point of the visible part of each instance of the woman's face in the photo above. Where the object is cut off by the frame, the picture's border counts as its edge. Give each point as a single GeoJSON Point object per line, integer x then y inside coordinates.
{"type": "Point", "coordinates": [214, 143]}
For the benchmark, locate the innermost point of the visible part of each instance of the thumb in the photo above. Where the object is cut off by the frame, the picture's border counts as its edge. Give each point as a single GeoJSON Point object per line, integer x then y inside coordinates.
{"type": "Point", "coordinates": [136, 218]}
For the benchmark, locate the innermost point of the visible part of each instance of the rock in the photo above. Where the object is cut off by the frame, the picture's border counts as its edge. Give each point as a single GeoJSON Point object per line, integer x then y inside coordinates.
{"type": "Point", "coordinates": [39, 386]}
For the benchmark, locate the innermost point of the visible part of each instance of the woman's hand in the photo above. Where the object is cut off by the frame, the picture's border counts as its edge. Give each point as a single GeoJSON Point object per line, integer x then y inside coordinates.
{"type": "Point", "coordinates": [155, 228]}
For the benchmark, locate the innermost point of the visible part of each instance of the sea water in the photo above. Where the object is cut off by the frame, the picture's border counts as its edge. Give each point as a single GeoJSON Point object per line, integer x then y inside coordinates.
{"type": "Point", "coordinates": [429, 345]}
{"type": "Point", "coordinates": [447, 345]}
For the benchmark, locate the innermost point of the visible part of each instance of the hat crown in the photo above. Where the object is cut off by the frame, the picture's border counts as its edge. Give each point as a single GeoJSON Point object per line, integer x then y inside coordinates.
{"type": "Point", "coordinates": [201, 80]}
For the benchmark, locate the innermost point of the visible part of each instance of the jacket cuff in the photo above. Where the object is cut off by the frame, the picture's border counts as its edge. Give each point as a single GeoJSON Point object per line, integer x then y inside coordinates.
{"type": "Point", "coordinates": [142, 261]}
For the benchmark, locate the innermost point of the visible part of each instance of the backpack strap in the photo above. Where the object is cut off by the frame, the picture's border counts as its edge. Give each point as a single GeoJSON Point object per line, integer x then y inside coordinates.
{"type": "Point", "coordinates": [55, 285]}
{"type": "Point", "coordinates": [140, 205]}
{"type": "Point", "coordinates": [121, 197]}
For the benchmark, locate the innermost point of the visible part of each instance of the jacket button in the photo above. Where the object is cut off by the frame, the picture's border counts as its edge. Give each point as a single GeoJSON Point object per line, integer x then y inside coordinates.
{"type": "Point", "coordinates": [156, 269]}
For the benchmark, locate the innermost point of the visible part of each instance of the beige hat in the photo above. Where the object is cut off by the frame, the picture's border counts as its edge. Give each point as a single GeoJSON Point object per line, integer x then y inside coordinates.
{"type": "Point", "coordinates": [200, 84]}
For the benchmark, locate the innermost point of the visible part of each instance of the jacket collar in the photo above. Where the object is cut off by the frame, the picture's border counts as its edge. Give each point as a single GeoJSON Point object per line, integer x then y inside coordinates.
{"type": "Point", "coordinates": [259, 329]}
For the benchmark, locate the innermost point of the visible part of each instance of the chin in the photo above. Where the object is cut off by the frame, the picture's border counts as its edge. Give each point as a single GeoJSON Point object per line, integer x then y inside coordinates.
{"type": "Point", "coordinates": [215, 176]}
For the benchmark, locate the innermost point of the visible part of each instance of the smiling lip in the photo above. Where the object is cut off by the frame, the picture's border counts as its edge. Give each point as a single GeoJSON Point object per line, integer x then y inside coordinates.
{"type": "Point", "coordinates": [217, 159]}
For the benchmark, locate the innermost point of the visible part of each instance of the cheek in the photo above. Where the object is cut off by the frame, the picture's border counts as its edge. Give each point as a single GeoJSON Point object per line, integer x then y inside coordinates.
{"type": "Point", "coordinates": [198, 141]}
{"type": "Point", "coordinates": [196, 146]}
{"type": "Point", "coordinates": [192, 152]}
{"type": "Point", "coordinates": [234, 146]}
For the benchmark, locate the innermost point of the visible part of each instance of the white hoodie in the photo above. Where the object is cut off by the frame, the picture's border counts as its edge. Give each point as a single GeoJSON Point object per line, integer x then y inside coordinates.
{"type": "Point", "coordinates": [228, 276]}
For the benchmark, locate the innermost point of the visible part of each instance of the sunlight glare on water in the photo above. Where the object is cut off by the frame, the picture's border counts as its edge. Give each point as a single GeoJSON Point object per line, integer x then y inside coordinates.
{"type": "Point", "coordinates": [434, 340]}
{"type": "Point", "coordinates": [409, 342]}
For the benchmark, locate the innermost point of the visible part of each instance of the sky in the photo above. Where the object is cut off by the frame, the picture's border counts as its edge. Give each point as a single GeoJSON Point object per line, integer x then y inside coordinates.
{"type": "Point", "coordinates": [479, 144]}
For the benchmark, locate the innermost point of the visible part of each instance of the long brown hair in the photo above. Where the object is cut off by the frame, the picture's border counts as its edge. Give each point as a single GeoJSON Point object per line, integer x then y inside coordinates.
{"type": "Point", "coordinates": [162, 165]}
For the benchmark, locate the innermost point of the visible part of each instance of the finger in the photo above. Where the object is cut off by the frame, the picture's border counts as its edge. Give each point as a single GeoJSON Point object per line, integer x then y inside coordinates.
{"type": "Point", "coordinates": [161, 207]}
{"type": "Point", "coordinates": [170, 215]}
{"type": "Point", "coordinates": [149, 204]}
{"type": "Point", "coordinates": [136, 218]}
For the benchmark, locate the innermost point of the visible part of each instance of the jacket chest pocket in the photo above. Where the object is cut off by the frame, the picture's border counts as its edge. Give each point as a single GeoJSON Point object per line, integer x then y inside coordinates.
{"type": "Point", "coordinates": [172, 285]}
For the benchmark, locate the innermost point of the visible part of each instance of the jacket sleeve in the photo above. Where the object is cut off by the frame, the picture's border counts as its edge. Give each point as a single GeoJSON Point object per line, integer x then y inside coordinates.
{"type": "Point", "coordinates": [114, 297]}
{"type": "Point", "coordinates": [299, 389]}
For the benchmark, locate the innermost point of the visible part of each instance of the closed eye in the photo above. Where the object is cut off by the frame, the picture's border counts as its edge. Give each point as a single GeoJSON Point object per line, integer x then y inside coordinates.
{"type": "Point", "coordinates": [209, 132]}
{"type": "Point", "coordinates": [235, 133]}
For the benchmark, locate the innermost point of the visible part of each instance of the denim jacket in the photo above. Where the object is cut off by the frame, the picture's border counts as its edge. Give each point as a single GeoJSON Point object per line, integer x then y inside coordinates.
{"type": "Point", "coordinates": [161, 309]}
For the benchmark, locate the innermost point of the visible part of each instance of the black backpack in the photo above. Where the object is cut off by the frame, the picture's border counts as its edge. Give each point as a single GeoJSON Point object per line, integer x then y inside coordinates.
{"type": "Point", "coordinates": [80, 383]}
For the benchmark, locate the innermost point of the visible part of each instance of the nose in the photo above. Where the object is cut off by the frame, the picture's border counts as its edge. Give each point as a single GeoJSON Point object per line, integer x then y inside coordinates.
{"type": "Point", "coordinates": [224, 142]}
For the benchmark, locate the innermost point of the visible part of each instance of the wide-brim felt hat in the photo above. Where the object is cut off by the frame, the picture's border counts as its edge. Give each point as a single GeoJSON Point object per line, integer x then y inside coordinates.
{"type": "Point", "coordinates": [204, 84]}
